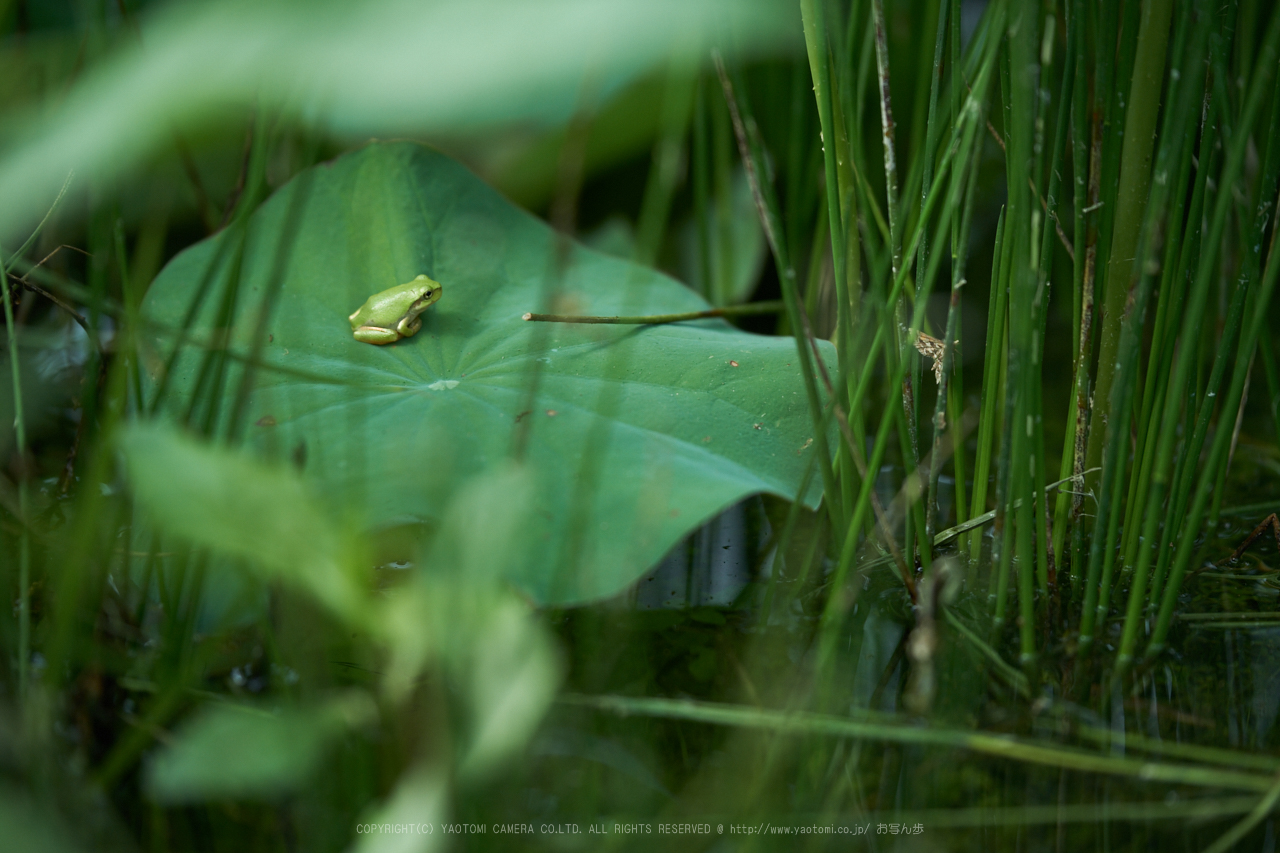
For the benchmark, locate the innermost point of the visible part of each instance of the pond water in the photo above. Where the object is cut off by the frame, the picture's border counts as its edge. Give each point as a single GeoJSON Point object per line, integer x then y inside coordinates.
{"type": "Point", "coordinates": [1185, 746]}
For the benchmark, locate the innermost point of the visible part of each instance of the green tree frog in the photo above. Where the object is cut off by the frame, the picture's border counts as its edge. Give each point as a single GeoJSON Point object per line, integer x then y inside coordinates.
{"type": "Point", "coordinates": [393, 314]}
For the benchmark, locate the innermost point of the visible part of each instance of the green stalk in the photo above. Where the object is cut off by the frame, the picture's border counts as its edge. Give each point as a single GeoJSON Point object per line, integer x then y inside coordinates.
{"type": "Point", "coordinates": [1045, 267]}
{"type": "Point", "coordinates": [1217, 456]}
{"type": "Point", "coordinates": [990, 371]}
{"type": "Point", "coordinates": [655, 208]}
{"type": "Point", "coordinates": [1190, 526]}
{"type": "Point", "coordinates": [959, 254]}
{"type": "Point", "coordinates": [969, 122]}
{"type": "Point", "coordinates": [1168, 311]}
{"type": "Point", "coordinates": [896, 254]}
{"type": "Point", "coordinates": [1000, 543]}
{"type": "Point", "coordinates": [887, 129]}
{"type": "Point", "coordinates": [1183, 383]}
{"type": "Point", "coordinates": [1188, 257]}
{"type": "Point", "coordinates": [20, 447]}
{"type": "Point", "coordinates": [1024, 30]}
{"type": "Point", "coordinates": [955, 388]}
{"type": "Point", "coordinates": [766, 207]}
{"type": "Point", "coordinates": [1193, 319]}
{"type": "Point", "coordinates": [1002, 534]}
{"type": "Point", "coordinates": [1170, 153]}
{"type": "Point", "coordinates": [722, 148]}
{"type": "Point", "coordinates": [938, 422]}
{"type": "Point", "coordinates": [1079, 315]}
{"type": "Point", "coordinates": [1131, 199]}
{"type": "Point", "coordinates": [844, 257]}
{"type": "Point", "coordinates": [815, 40]}
{"type": "Point", "coordinates": [701, 180]}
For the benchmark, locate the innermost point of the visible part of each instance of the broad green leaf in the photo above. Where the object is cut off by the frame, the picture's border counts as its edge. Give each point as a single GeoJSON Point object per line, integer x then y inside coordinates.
{"type": "Point", "coordinates": [632, 436]}
{"type": "Point", "coordinates": [358, 68]}
{"type": "Point", "coordinates": [224, 499]}
{"type": "Point", "coordinates": [243, 752]}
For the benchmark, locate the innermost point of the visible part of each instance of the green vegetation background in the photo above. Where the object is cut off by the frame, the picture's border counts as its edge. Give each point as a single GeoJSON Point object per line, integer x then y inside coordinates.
{"type": "Point", "coordinates": [272, 587]}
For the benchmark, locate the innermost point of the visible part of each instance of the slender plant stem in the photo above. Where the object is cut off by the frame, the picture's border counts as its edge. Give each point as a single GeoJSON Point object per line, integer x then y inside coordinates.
{"type": "Point", "coordinates": [962, 146]}
{"type": "Point", "coordinates": [20, 446]}
{"type": "Point", "coordinates": [751, 308]}
{"type": "Point", "coordinates": [1183, 95]}
{"type": "Point", "coordinates": [1218, 451]}
{"type": "Point", "coordinates": [1131, 199]}
{"type": "Point", "coordinates": [996, 311]}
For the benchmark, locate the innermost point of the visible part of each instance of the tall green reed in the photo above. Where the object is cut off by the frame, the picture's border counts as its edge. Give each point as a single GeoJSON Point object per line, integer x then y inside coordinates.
{"type": "Point", "coordinates": [1129, 104]}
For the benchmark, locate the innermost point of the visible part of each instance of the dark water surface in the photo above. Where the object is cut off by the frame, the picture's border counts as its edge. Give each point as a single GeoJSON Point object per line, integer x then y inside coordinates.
{"type": "Point", "coordinates": [724, 620]}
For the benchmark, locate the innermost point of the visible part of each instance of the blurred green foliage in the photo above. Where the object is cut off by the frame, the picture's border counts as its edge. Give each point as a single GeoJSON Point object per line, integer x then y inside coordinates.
{"type": "Point", "coordinates": [323, 604]}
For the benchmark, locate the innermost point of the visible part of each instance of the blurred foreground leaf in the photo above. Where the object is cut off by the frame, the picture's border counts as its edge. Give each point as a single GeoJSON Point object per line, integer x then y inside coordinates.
{"type": "Point", "coordinates": [409, 822]}
{"type": "Point", "coordinates": [635, 436]}
{"type": "Point", "coordinates": [359, 68]}
{"type": "Point", "coordinates": [26, 825]}
{"type": "Point", "coordinates": [503, 661]}
{"type": "Point", "coordinates": [226, 500]}
{"type": "Point", "coordinates": [453, 612]}
{"type": "Point", "coordinates": [234, 751]}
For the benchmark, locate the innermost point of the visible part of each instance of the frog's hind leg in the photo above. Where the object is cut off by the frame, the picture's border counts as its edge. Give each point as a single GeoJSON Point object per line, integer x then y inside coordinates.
{"type": "Point", "coordinates": [375, 335]}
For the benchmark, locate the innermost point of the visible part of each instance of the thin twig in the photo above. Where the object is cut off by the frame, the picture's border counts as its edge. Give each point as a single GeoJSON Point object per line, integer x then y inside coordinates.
{"type": "Point", "coordinates": [1272, 521]}
{"type": "Point", "coordinates": [56, 300]}
{"type": "Point", "coordinates": [749, 308]}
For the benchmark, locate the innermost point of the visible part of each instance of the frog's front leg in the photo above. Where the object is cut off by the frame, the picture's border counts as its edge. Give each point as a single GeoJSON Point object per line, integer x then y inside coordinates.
{"type": "Point", "coordinates": [409, 326]}
{"type": "Point", "coordinates": [376, 335]}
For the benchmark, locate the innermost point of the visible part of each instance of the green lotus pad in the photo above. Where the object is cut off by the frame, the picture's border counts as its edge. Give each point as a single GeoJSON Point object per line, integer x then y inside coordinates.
{"type": "Point", "coordinates": [634, 435]}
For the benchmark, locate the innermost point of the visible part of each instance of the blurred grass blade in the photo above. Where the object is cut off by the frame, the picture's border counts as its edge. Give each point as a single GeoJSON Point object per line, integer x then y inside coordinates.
{"type": "Point", "coordinates": [887, 728]}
